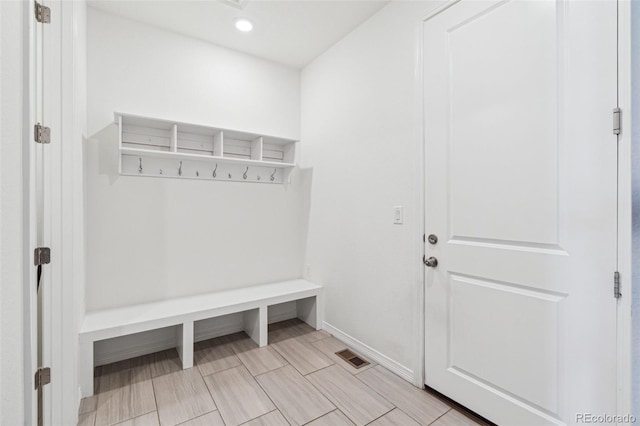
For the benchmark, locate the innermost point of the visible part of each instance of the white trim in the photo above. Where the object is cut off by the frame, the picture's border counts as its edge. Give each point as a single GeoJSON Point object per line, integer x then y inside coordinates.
{"type": "Point", "coordinates": [419, 283]}
{"type": "Point", "coordinates": [370, 353]}
{"type": "Point", "coordinates": [420, 310]}
{"type": "Point", "coordinates": [29, 212]}
{"type": "Point", "coordinates": [49, 182]}
{"type": "Point", "coordinates": [624, 355]}
{"type": "Point", "coordinates": [63, 207]}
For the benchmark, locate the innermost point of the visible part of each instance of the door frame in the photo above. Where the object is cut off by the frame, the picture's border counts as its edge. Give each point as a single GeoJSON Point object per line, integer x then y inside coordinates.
{"type": "Point", "coordinates": [624, 207]}
{"type": "Point", "coordinates": [624, 346]}
{"type": "Point", "coordinates": [63, 164]}
{"type": "Point", "coordinates": [29, 213]}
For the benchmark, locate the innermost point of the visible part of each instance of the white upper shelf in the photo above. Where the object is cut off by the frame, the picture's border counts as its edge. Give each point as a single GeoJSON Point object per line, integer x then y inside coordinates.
{"type": "Point", "coordinates": [164, 148]}
{"type": "Point", "coordinates": [159, 123]}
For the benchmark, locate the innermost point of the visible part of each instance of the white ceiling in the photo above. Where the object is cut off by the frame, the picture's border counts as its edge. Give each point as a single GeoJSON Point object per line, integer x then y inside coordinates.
{"type": "Point", "coordinates": [290, 32]}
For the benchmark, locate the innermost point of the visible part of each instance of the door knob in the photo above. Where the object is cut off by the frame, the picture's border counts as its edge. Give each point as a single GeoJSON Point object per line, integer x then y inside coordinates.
{"type": "Point", "coordinates": [431, 262]}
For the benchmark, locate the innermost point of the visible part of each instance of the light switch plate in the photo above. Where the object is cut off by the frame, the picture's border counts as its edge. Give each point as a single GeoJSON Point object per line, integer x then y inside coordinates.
{"type": "Point", "coordinates": [398, 215]}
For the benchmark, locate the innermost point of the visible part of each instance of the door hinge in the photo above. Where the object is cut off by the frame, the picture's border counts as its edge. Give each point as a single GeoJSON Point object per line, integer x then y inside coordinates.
{"type": "Point", "coordinates": [43, 13]}
{"type": "Point", "coordinates": [41, 256]}
{"type": "Point", "coordinates": [41, 134]}
{"type": "Point", "coordinates": [616, 121]}
{"type": "Point", "coordinates": [42, 377]}
{"type": "Point", "coordinates": [616, 285]}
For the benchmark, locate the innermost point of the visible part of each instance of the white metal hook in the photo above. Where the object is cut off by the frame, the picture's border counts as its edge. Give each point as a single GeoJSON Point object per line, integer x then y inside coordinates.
{"type": "Point", "coordinates": [140, 167]}
{"type": "Point", "coordinates": [180, 169]}
{"type": "Point", "coordinates": [214, 170]}
{"type": "Point", "coordinates": [273, 175]}
{"type": "Point", "coordinates": [244, 175]}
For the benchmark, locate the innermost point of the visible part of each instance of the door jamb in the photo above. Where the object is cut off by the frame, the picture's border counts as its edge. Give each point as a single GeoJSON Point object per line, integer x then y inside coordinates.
{"type": "Point", "coordinates": [624, 353]}
{"type": "Point", "coordinates": [29, 215]}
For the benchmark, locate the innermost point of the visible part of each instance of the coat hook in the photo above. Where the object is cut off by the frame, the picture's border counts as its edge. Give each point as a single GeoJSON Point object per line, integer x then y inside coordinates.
{"type": "Point", "coordinates": [140, 167]}
{"type": "Point", "coordinates": [180, 169]}
{"type": "Point", "coordinates": [214, 170]}
{"type": "Point", "coordinates": [160, 171]}
{"type": "Point", "coordinates": [229, 175]}
{"type": "Point", "coordinates": [273, 175]}
{"type": "Point", "coordinates": [197, 173]}
{"type": "Point", "coordinates": [244, 175]}
{"type": "Point", "coordinates": [259, 177]}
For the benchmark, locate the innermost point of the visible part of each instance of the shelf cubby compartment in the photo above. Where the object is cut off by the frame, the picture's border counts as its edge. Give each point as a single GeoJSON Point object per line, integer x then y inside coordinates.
{"type": "Point", "coordinates": [163, 148]}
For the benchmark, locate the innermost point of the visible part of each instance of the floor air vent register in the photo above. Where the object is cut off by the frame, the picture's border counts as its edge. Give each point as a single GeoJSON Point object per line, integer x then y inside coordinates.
{"type": "Point", "coordinates": [352, 358]}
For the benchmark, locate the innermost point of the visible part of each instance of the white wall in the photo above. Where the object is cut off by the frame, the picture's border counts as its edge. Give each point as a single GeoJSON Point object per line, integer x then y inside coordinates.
{"type": "Point", "coordinates": [150, 239]}
{"type": "Point", "coordinates": [361, 136]}
{"type": "Point", "coordinates": [74, 97]}
{"type": "Point", "coordinates": [12, 321]}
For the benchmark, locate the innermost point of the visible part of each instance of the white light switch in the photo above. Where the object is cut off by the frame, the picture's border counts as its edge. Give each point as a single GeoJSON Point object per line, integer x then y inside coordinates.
{"type": "Point", "coordinates": [398, 215]}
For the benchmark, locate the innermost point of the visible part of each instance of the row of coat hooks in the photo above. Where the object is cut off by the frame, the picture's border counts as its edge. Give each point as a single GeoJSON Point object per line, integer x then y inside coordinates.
{"type": "Point", "coordinates": [245, 175]}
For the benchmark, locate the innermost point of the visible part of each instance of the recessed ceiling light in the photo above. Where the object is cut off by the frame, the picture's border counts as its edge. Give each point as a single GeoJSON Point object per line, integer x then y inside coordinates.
{"type": "Point", "coordinates": [244, 25]}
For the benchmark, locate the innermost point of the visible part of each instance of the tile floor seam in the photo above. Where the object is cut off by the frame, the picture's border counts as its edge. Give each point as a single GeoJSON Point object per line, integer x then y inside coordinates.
{"type": "Point", "coordinates": [210, 394]}
{"type": "Point", "coordinates": [96, 416]}
{"type": "Point", "coordinates": [202, 415]}
{"type": "Point", "coordinates": [267, 395]}
{"type": "Point", "coordinates": [197, 365]}
{"type": "Point", "coordinates": [270, 399]}
{"type": "Point", "coordinates": [338, 408]}
{"type": "Point", "coordinates": [319, 369]}
{"type": "Point", "coordinates": [155, 400]}
{"type": "Point", "coordinates": [268, 371]}
{"type": "Point", "coordinates": [312, 385]}
{"type": "Point", "coordinates": [271, 371]}
{"type": "Point", "coordinates": [325, 414]}
{"type": "Point", "coordinates": [219, 371]}
{"type": "Point", "coordinates": [313, 420]}
{"type": "Point", "coordinates": [381, 396]}
{"type": "Point", "coordinates": [303, 374]}
{"type": "Point", "coordinates": [394, 408]}
{"type": "Point", "coordinates": [422, 390]}
{"type": "Point", "coordinates": [262, 415]}
{"type": "Point", "coordinates": [435, 420]}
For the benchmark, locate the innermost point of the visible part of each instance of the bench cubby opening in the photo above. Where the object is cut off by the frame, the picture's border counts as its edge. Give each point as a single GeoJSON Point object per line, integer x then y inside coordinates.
{"type": "Point", "coordinates": [187, 316]}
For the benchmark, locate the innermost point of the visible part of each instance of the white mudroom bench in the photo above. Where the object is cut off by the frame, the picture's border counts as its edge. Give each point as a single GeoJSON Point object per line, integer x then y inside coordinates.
{"type": "Point", "coordinates": [252, 301]}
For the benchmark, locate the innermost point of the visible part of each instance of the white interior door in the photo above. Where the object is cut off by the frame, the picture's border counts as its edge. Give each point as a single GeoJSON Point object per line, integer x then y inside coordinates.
{"type": "Point", "coordinates": [521, 166]}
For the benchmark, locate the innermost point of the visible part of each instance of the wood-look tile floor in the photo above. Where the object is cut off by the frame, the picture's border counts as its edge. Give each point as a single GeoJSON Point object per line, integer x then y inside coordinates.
{"type": "Point", "coordinates": [296, 380]}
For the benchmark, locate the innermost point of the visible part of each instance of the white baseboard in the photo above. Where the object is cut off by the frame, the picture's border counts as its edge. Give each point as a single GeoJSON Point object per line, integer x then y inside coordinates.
{"type": "Point", "coordinates": [372, 354]}
{"type": "Point", "coordinates": [148, 342]}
